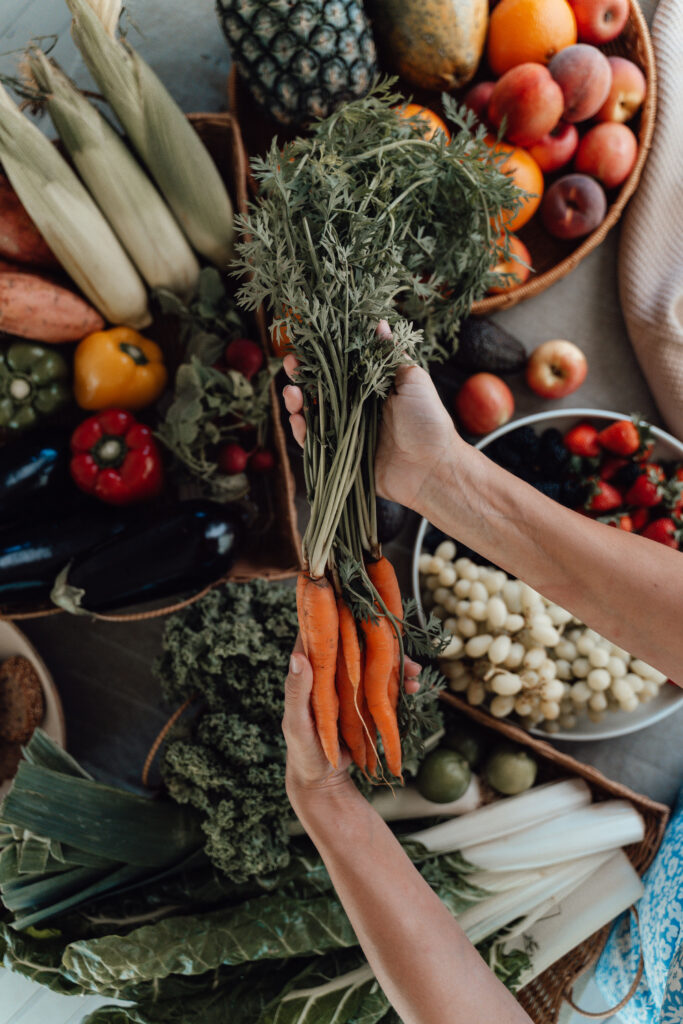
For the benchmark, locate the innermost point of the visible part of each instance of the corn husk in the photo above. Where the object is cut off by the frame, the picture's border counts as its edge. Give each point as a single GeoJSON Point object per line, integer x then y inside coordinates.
{"type": "Point", "coordinates": [137, 213]}
{"type": "Point", "coordinates": [69, 221]}
{"type": "Point", "coordinates": [163, 137]}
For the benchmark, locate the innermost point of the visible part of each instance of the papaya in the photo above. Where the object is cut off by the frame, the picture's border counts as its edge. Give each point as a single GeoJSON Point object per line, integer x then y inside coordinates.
{"type": "Point", "coordinates": [430, 44]}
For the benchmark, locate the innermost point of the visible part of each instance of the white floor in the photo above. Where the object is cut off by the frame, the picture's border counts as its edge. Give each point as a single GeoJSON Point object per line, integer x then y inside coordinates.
{"type": "Point", "coordinates": [24, 1002]}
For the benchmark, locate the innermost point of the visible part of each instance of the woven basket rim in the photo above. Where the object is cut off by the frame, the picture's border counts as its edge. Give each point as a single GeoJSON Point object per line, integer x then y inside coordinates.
{"type": "Point", "coordinates": [505, 300]}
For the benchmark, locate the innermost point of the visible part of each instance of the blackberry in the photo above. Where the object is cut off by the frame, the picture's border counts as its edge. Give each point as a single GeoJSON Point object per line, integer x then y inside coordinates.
{"type": "Point", "coordinates": [551, 488]}
{"type": "Point", "coordinates": [627, 475]}
{"type": "Point", "coordinates": [525, 441]}
{"type": "Point", "coordinates": [505, 454]}
{"type": "Point", "coordinates": [573, 493]}
{"type": "Point", "coordinates": [552, 454]}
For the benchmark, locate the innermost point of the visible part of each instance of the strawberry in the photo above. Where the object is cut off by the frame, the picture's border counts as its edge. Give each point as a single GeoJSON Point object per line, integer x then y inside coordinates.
{"type": "Point", "coordinates": [665, 531]}
{"type": "Point", "coordinates": [640, 517]}
{"type": "Point", "coordinates": [621, 520]}
{"type": "Point", "coordinates": [647, 490]}
{"type": "Point", "coordinates": [611, 466]}
{"type": "Point", "coordinates": [620, 438]}
{"type": "Point", "coordinates": [603, 497]}
{"type": "Point", "coordinates": [583, 440]}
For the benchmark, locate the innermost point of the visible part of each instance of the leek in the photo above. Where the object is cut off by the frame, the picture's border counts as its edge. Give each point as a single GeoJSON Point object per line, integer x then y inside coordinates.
{"type": "Point", "coordinates": [163, 137]}
{"type": "Point", "coordinates": [126, 196]}
{"type": "Point", "coordinates": [505, 817]}
{"type": "Point", "coordinates": [406, 803]}
{"type": "Point", "coordinates": [69, 220]}
{"type": "Point", "coordinates": [612, 889]}
{"type": "Point", "coordinates": [602, 826]}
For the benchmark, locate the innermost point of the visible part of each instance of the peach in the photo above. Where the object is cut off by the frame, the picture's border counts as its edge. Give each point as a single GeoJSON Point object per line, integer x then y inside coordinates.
{"type": "Point", "coordinates": [626, 93]}
{"type": "Point", "coordinates": [584, 75]}
{"type": "Point", "coordinates": [531, 101]}
{"type": "Point", "coordinates": [477, 99]}
{"type": "Point", "coordinates": [573, 206]}
{"type": "Point", "coordinates": [598, 21]}
{"type": "Point", "coordinates": [608, 152]}
{"type": "Point", "coordinates": [556, 148]}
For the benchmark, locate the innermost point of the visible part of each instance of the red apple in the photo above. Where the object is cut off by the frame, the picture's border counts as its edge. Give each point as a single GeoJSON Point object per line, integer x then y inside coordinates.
{"type": "Point", "coordinates": [608, 151]}
{"type": "Point", "coordinates": [477, 99]}
{"type": "Point", "coordinates": [598, 21]}
{"type": "Point", "coordinates": [626, 93]}
{"type": "Point", "coordinates": [556, 148]}
{"type": "Point", "coordinates": [483, 403]}
{"type": "Point", "coordinates": [556, 368]}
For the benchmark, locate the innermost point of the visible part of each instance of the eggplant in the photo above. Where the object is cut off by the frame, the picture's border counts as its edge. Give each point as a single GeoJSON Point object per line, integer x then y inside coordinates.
{"type": "Point", "coordinates": [33, 469]}
{"type": "Point", "coordinates": [32, 553]}
{"type": "Point", "coordinates": [180, 547]}
{"type": "Point", "coordinates": [391, 518]}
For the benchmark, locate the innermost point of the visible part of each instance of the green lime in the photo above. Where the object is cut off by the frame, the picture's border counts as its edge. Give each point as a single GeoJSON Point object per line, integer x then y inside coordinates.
{"type": "Point", "coordinates": [510, 770]}
{"type": "Point", "coordinates": [464, 741]}
{"type": "Point", "coordinates": [444, 776]}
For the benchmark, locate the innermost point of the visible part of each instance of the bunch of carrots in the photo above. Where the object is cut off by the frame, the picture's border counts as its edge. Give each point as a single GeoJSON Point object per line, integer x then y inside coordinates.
{"type": "Point", "coordinates": [356, 679]}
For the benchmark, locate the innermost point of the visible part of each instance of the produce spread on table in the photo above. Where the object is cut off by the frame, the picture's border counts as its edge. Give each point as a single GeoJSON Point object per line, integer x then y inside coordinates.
{"type": "Point", "coordinates": [134, 391]}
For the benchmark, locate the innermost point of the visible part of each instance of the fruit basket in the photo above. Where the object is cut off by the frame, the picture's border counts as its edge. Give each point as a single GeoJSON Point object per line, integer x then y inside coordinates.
{"type": "Point", "coordinates": [552, 258]}
{"type": "Point", "coordinates": [277, 553]}
{"type": "Point", "coordinates": [665, 699]}
{"type": "Point", "coordinates": [544, 997]}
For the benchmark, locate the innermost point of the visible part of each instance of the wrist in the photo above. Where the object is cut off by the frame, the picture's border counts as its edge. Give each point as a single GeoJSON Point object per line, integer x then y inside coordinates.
{"type": "Point", "coordinates": [321, 802]}
{"type": "Point", "coordinates": [445, 484]}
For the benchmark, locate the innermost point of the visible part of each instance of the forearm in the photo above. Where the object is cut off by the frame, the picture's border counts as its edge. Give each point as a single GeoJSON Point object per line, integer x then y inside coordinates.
{"type": "Point", "coordinates": [425, 964]}
{"type": "Point", "coordinates": [627, 588]}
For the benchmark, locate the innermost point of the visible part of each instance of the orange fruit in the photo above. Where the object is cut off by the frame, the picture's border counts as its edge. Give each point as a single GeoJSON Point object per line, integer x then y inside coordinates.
{"type": "Point", "coordinates": [434, 122]}
{"type": "Point", "coordinates": [528, 30]}
{"type": "Point", "coordinates": [519, 255]}
{"type": "Point", "coordinates": [526, 175]}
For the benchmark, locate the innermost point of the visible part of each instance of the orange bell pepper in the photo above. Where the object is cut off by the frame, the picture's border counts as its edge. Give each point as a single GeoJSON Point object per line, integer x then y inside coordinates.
{"type": "Point", "coordinates": [118, 368]}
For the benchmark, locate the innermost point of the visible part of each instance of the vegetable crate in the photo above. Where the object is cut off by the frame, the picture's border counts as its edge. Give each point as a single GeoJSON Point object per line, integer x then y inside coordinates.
{"type": "Point", "coordinates": [278, 553]}
{"type": "Point", "coordinates": [543, 997]}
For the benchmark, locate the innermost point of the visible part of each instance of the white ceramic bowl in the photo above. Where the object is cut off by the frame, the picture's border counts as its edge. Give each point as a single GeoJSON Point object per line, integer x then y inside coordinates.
{"type": "Point", "coordinates": [13, 641]}
{"type": "Point", "coordinates": [614, 723]}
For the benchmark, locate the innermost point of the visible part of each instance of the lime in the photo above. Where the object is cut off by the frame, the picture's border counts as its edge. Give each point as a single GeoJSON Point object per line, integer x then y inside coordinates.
{"type": "Point", "coordinates": [510, 770]}
{"type": "Point", "coordinates": [465, 742]}
{"type": "Point", "coordinates": [444, 776]}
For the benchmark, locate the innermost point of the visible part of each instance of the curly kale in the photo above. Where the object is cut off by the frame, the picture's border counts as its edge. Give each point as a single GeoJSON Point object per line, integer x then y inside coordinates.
{"type": "Point", "coordinates": [230, 650]}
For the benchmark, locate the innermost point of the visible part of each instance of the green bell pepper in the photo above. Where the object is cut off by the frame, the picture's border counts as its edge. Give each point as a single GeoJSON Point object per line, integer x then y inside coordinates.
{"type": "Point", "coordinates": [32, 385]}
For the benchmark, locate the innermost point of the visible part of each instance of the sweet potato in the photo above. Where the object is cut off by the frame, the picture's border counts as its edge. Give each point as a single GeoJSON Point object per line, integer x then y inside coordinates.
{"type": "Point", "coordinates": [20, 239]}
{"type": "Point", "coordinates": [34, 307]}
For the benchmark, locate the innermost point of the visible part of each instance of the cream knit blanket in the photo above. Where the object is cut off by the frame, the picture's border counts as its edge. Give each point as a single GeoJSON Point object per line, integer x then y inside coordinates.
{"type": "Point", "coordinates": [651, 245]}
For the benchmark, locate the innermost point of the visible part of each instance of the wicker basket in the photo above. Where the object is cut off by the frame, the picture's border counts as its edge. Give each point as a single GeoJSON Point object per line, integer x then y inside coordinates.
{"type": "Point", "coordinates": [543, 998]}
{"type": "Point", "coordinates": [279, 552]}
{"type": "Point", "coordinates": [552, 258]}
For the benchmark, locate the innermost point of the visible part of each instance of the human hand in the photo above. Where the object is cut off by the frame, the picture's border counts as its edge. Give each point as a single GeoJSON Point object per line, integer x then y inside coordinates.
{"type": "Point", "coordinates": [308, 770]}
{"type": "Point", "coordinates": [415, 436]}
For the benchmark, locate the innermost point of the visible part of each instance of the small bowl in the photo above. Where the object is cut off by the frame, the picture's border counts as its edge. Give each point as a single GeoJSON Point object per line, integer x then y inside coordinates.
{"type": "Point", "coordinates": [615, 723]}
{"type": "Point", "coordinates": [12, 642]}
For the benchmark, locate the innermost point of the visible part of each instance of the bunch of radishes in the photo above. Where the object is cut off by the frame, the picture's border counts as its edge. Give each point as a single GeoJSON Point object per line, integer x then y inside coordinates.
{"type": "Point", "coordinates": [246, 357]}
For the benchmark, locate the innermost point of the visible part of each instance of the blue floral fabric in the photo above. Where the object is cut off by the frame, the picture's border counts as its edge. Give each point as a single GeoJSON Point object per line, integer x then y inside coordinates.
{"type": "Point", "coordinates": [659, 996]}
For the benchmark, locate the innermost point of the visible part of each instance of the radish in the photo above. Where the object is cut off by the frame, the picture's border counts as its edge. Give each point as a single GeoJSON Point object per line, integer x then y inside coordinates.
{"type": "Point", "coordinates": [262, 461]}
{"type": "Point", "coordinates": [244, 356]}
{"type": "Point", "coordinates": [232, 459]}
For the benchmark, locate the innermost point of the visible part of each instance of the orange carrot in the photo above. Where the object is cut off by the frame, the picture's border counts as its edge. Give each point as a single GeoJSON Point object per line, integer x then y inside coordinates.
{"type": "Point", "coordinates": [395, 676]}
{"type": "Point", "coordinates": [348, 638]}
{"type": "Point", "coordinates": [350, 721]}
{"type": "Point", "coordinates": [383, 576]}
{"type": "Point", "coordinates": [319, 624]}
{"type": "Point", "coordinates": [301, 582]}
{"type": "Point", "coordinates": [370, 733]}
{"type": "Point", "coordinates": [379, 661]}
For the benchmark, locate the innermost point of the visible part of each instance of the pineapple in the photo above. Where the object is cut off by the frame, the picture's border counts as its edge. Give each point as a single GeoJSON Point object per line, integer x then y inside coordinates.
{"type": "Point", "coordinates": [302, 59]}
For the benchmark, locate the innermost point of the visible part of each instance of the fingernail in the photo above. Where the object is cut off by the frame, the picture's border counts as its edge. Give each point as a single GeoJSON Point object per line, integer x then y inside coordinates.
{"type": "Point", "coordinates": [295, 665]}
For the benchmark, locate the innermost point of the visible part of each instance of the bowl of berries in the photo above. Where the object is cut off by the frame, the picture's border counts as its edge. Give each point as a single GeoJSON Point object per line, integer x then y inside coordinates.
{"type": "Point", "coordinates": [519, 655]}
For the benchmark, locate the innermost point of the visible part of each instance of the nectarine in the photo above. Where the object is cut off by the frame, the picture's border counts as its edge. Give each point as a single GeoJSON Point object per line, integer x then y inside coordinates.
{"type": "Point", "coordinates": [530, 101]}
{"type": "Point", "coordinates": [477, 99]}
{"type": "Point", "coordinates": [573, 206]}
{"type": "Point", "coordinates": [556, 148]}
{"type": "Point", "coordinates": [608, 151]}
{"type": "Point", "coordinates": [626, 93]}
{"type": "Point", "coordinates": [483, 403]}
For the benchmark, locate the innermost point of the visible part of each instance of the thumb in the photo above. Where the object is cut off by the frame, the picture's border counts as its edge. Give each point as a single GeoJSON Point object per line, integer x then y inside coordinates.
{"type": "Point", "coordinates": [298, 684]}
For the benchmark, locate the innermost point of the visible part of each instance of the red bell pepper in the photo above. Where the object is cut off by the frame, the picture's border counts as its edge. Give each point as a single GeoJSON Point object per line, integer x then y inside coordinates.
{"type": "Point", "coordinates": [116, 458]}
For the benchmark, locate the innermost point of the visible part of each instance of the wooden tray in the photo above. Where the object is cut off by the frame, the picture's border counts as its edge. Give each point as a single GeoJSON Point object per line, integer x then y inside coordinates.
{"type": "Point", "coordinates": [543, 997]}
{"type": "Point", "coordinates": [278, 555]}
{"type": "Point", "coordinates": [552, 258]}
